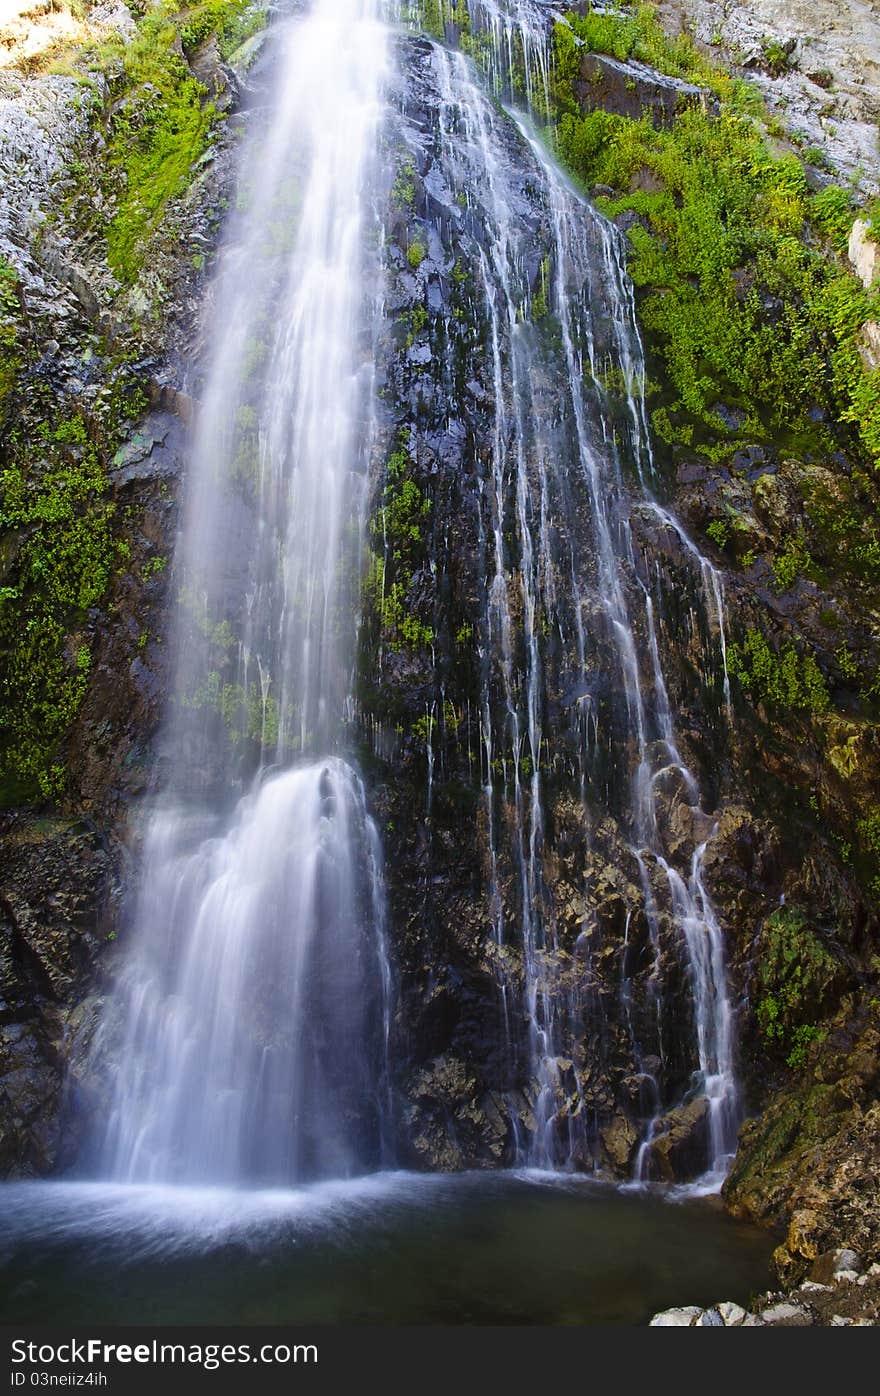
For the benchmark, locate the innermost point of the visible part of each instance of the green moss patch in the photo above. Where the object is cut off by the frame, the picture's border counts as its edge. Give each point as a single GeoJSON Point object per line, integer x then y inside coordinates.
{"type": "Point", "coordinates": [159, 118]}
{"type": "Point", "coordinates": [742, 288]}
{"type": "Point", "coordinates": [795, 975]}
{"type": "Point", "coordinates": [56, 521]}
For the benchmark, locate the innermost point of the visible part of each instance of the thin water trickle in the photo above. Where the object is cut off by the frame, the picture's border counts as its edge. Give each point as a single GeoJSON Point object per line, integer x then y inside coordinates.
{"type": "Point", "coordinates": [541, 443]}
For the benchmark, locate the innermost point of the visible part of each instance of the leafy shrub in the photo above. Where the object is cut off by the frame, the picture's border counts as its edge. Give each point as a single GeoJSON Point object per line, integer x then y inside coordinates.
{"type": "Point", "coordinates": [795, 975]}
{"type": "Point", "coordinates": [785, 680]}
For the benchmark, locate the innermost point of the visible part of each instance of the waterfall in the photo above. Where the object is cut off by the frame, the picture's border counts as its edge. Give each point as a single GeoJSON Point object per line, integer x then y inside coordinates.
{"type": "Point", "coordinates": [248, 1036]}
{"type": "Point", "coordinates": [570, 465]}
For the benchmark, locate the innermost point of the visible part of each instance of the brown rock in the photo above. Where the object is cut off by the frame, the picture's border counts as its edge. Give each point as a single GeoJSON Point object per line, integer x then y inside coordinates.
{"type": "Point", "coordinates": [679, 1149]}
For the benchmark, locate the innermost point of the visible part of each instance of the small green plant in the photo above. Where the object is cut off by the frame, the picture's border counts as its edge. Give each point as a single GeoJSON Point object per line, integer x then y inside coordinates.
{"type": "Point", "coordinates": [793, 562]}
{"type": "Point", "coordinates": [154, 567]}
{"type": "Point", "coordinates": [416, 254]}
{"type": "Point", "coordinates": [800, 1040]}
{"type": "Point", "coordinates": [540, 296]}
{"type": "Point", "coordinates": [831, 211]}
{"type": "Point", "coordinates": [778, 56]}
{"type": "Point", "coordinates": [848, 666]}
{"type": "Point", "coordinates": [418, 322]}
{"type": "Point", "coordinates": [403, 191]}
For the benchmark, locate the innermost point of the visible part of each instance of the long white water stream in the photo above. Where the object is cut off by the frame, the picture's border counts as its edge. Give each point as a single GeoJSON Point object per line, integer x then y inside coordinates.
{"type": "Point", "coordinates": [255, 1001]}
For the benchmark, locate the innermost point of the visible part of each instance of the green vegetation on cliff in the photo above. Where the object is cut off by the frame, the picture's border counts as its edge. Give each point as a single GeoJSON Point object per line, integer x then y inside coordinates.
{"type": "Point", "coordinates": [760, 363]}
{"type": "Point", "coordinates": [157, 132]}
{"type": "Point", "coordinates": [398, 543]}
{"type": "Point", "coordinates": [795, 973]}
{"type": "Point", "coordinates": [59, 550]}
{"type": "Point", "coordinates": [742, 290]}
{"type": "Point", "coordinates": [9, 356]}
{"type": "Point", "coordinates": [786, 680]}
{"type": "Point", "coordinates": [633, 31]}
{"type": "Point", "coordinates": [160, 117]}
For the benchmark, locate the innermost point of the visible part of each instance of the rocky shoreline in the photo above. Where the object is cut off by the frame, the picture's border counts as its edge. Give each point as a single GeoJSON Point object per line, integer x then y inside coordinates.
{"type": "Point", "coordinates": [840, 1292]}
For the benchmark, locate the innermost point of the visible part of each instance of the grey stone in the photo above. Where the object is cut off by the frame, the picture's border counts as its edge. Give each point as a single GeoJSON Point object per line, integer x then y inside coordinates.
{"type": "Point", "coordinates": [677, 1318]}
{"type": "Point", "coordinates": [732, 1315]}
{"type": "Point", "coordinates": [834, 43]}
{"type": "Point", "coordinates": [790, 1314]}
{"type": "Point", "coordinates": [847, 1262]}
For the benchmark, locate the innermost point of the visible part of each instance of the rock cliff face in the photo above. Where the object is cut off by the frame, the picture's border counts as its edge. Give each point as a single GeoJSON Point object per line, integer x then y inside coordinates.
{"type": "Point", "coordinates": [817, 64]}
{"type": "Point", "coordinates": [109, 343]}
{"type": "Point", "coordinates": [439, 691]}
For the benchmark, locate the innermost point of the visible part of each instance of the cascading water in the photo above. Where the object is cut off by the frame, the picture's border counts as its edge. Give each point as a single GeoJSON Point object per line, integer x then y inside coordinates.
{"type": "Point", "coordinates": [559, 561]}
{"type": "Point", "coordinates": [256, 997]}
{"type": "Point", "coordinates": [249, 1051]}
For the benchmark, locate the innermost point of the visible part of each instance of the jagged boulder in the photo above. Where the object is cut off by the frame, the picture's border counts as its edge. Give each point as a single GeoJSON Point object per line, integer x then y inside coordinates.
{"type": "Point", "coordinates": [679, 1149]}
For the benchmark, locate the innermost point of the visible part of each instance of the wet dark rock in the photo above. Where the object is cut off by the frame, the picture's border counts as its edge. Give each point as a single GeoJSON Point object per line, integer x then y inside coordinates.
{"type": "Point", "coordinates": [59, 904]}
{"type": "Point", "coordinates": [447, 1125]}
{"type": "Point", "coordinates": [627, 220]}
{"type": "Point", "coordinates": [748, 459]}
{"type": "Point", "coordinates": [732, 417]}
{"type": "Point", "coordinates": [217, 77]}
{"type": "Point", "coordinates": [679, 1146]}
